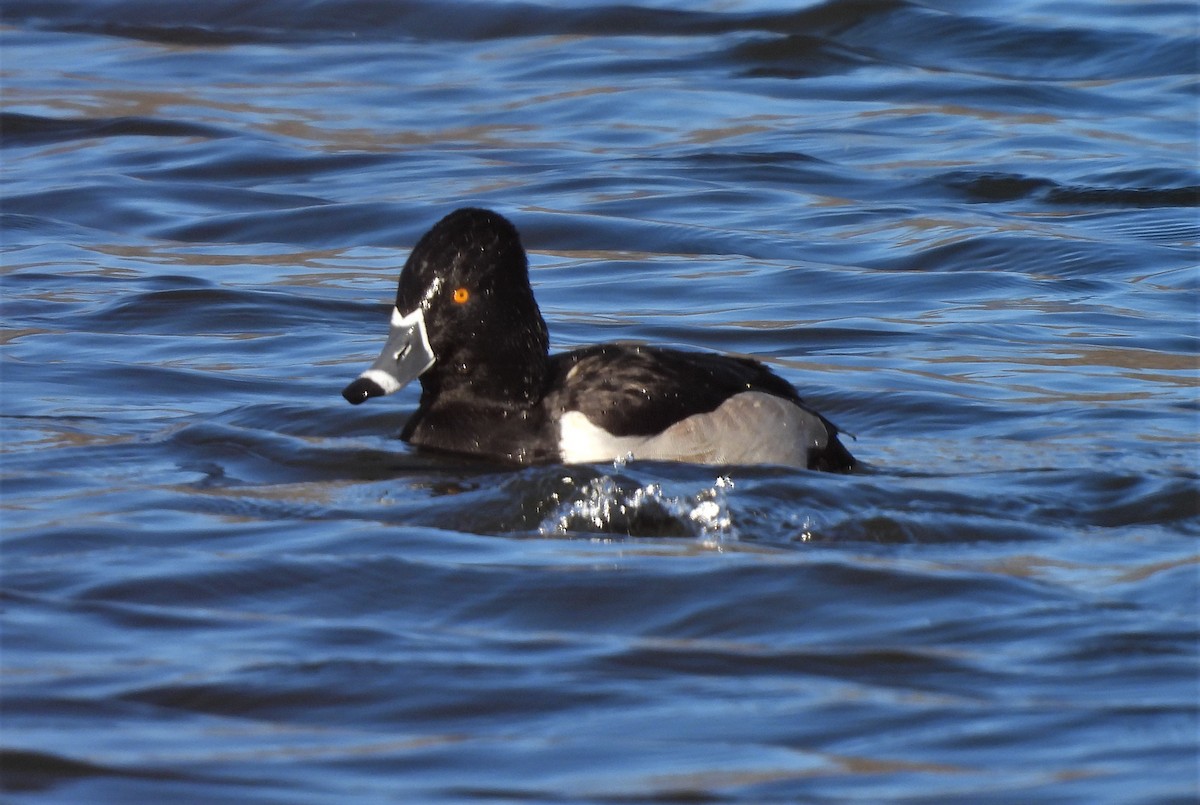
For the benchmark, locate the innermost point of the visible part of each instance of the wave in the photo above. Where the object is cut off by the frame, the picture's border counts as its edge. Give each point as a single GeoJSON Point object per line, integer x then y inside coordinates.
{"type": "Point", "coordinates": [832, 36]}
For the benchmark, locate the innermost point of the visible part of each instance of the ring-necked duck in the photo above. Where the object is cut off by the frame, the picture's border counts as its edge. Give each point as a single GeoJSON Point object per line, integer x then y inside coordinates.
{"type": "Point", "coordinates": [467, 325]}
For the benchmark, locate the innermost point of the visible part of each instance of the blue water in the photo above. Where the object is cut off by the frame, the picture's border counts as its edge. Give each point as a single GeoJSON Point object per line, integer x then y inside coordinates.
{"type": "Point", "coordinates": [966, 232]}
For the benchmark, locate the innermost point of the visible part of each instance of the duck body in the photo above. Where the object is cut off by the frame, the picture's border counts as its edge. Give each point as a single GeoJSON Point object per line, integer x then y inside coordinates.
{"type": "Point", "coordinates": [467, 325]}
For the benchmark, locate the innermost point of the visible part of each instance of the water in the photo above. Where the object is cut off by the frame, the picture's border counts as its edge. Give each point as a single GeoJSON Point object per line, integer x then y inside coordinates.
{"type": "Point", "coordinates": [968, 235]}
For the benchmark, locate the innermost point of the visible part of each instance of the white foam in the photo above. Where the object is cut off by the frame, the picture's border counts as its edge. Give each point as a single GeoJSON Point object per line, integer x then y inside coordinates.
{"type": "Point", "coordinates": [603, 505]}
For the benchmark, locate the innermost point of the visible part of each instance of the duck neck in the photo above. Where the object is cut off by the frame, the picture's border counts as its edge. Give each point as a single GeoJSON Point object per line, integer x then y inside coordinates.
{"type": "Point", "coordinates": [516, 375]}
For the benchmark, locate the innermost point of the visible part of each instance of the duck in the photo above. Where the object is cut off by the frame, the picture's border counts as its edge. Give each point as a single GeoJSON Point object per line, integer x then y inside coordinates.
{"type": "Point", "coordinates": [467, 326]}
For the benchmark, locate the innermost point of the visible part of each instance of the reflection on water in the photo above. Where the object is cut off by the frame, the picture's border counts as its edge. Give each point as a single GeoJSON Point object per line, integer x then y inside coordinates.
{"type": "Point", "coordinates": [968, 239]}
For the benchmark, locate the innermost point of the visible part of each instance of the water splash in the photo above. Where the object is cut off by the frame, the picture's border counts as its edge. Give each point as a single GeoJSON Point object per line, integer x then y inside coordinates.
{"type": "Point", "coordinates": [611, 505]}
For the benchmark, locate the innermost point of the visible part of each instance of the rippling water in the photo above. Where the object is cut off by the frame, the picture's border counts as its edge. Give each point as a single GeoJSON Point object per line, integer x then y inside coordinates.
{"type": "Point", "coordinates": [968, 235]}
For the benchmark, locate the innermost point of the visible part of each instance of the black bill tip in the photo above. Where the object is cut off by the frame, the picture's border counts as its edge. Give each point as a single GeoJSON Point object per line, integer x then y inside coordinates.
{"type": "Point", "coordinates": [360, 390]}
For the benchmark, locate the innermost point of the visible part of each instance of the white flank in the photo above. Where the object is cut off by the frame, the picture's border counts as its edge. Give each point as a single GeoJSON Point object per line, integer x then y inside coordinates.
{"type": "Point", "coordinates": [749, 428]}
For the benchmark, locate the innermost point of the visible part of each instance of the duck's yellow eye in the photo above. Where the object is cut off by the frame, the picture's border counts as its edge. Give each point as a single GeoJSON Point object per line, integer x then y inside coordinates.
{"type": "Point", "coordinates": [461, 295]}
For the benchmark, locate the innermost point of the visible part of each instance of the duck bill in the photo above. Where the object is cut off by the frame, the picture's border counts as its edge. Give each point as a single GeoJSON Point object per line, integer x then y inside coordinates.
{"type": "Point", "coordinates": [405, 357]}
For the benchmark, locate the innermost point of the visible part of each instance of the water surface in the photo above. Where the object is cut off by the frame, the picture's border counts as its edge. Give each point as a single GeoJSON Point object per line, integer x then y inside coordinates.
{"type": "Point", "coordinates": [968, 237]}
